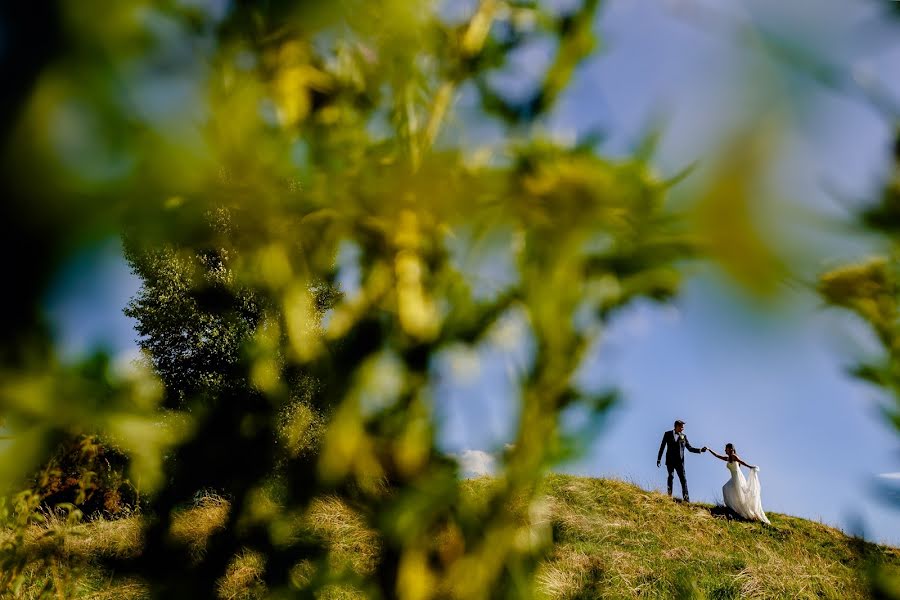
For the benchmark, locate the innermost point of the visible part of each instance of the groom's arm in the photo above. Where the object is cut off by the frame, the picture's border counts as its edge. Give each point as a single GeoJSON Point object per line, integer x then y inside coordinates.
{"type": "Point", "coordinates": [687, 445]}
{"type": "Point", "coordinates": [662, 446]}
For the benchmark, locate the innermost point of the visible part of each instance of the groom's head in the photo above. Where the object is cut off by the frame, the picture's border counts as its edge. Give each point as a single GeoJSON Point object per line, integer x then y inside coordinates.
{"type": "Point", "coordinates": [679, 426]}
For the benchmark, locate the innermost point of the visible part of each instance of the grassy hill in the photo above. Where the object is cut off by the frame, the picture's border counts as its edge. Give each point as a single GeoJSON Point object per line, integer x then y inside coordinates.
{"type": "Point", "coordinates": [612, 540]}
{"type": "Point", "coordinates": [616, 540]}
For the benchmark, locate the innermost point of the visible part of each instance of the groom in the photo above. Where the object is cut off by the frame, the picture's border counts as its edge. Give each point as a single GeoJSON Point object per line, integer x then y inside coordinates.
{"type": "Point", "coordinates": [674, 442]}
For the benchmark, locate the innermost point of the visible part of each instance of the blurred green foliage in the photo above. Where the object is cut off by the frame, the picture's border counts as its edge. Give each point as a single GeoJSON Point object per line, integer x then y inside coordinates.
{"type": "Point", "coordinates": [871, 290]}
{"type": "Point", "coordinates": [244, 153]}
{"type": "Point", "coordinates": [257, 156]}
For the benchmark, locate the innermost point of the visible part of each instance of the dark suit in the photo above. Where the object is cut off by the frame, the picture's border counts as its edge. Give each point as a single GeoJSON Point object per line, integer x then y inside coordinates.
{"type": "Point", "coordinates": [675, 459]}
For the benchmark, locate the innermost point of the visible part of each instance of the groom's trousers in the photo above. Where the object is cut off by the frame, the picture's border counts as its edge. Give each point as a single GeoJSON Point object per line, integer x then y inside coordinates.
{"type": "Point", "coordinates": [681, 477]}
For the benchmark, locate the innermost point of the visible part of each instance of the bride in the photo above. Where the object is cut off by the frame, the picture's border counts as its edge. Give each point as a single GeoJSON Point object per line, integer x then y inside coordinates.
{"type": "Point", "coordinates": [742, 496]}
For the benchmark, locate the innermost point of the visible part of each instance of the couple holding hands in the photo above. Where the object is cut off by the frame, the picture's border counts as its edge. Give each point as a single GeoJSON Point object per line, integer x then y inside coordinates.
{"type": "Point", "coordinates": [740, 495]}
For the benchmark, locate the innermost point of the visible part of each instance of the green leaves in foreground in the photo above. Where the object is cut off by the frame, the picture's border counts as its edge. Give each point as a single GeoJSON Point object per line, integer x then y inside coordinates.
{"type": "Point", "coordinates": [871, 290]}
{"type": "Point", "coordinates": [310, 245]}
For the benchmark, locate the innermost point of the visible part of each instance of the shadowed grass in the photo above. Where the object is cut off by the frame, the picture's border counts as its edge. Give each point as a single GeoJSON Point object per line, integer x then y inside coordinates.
{"type": "Point", "coordinates": [611, 539]}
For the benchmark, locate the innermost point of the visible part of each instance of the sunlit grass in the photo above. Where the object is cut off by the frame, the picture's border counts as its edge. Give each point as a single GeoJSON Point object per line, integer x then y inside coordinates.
{"type": "Point", "coordinates": [611, 539]}
{"type": "Point", "coordinates": [614, 540]}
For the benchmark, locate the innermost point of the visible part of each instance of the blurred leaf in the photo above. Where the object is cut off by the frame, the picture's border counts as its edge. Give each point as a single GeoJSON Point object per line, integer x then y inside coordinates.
{"type": "Point", "coordinates": [729, 227]}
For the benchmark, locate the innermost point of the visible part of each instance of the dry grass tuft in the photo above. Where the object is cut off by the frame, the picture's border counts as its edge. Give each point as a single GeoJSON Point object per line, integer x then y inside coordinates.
{"type": "Point", "coordinates": [243, 579]}
{"type": "Point", "coordinates": [121, 539]}
{"type": "Point", "coordinates": [195, 525]}
{"type": "Point", "coordinates": [350, 542]}
{"type": "Point", "coordinates": [127, 589]}
{"type": "Point", "coordinates": [566, 573]}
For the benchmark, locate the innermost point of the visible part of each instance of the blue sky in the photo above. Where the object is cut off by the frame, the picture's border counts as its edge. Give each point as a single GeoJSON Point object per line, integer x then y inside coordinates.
{"type": "Point", "coordinates": [769, 379]}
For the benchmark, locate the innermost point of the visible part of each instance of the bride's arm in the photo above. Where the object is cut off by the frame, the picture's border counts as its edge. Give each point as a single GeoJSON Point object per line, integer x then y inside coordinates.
{"type": "Point", "coordinates": [719, 456]}
{"type": "Point", "coordinates": [737, 458]}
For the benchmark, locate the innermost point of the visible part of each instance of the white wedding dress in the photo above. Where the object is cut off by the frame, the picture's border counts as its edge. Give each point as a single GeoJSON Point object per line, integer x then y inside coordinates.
{"type": "Point", "coordinates": [743, 495]}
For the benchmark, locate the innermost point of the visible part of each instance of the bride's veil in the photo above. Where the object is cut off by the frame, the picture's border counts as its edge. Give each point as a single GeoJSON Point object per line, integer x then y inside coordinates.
{"type": "Point", "coordinates": [754, 495]}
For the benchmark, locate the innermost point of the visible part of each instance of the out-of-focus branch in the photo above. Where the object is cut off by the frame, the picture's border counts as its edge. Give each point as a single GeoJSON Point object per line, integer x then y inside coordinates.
{"type": "Point", "coordinates": [472, 43]}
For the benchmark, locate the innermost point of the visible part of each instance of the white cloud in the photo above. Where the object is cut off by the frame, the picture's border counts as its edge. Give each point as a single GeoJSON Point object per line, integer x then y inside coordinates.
{"type": "Point", "coordinates": [889, 475]}
{"type": "Point", "coordinates": [475, 463]}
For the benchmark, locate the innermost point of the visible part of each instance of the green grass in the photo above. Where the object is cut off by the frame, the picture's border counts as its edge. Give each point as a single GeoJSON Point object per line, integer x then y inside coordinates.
{"type": "Point", "coordinates": [611, 539]}
{"type": "Point", "coordinates": [615, 540]}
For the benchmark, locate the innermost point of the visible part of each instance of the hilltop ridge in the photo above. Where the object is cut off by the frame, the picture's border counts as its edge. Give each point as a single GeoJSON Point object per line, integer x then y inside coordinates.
{"type": "Point", "coordinates": [616, 540]}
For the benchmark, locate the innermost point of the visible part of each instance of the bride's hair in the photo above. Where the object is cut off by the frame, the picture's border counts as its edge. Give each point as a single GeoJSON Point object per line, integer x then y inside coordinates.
{"type": "Point", "coordinates": [729, 445]}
